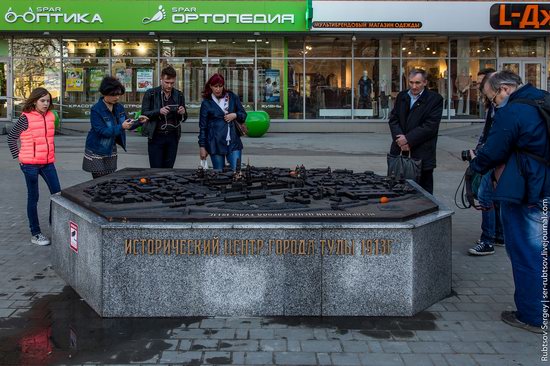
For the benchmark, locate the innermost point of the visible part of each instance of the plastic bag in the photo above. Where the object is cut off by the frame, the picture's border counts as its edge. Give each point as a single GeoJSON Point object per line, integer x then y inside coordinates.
{"type": "Point", "coordinates": [204, 164]}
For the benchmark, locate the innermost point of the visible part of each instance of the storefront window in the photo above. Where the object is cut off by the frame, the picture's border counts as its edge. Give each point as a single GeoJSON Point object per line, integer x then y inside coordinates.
{"type": "Point", "coordinates": [466, 100]}
{"type": "Point", "coordinates": [31, 73]}
{"type": "Point", "coordinates": [238, 47]}
{"type": "Point", "coordinates": [36, 47]}
{"type": "Point", "coordinates": [239, 77]}
{"type": "Point", "coordinates": [137, 75]}
{"type": "Point", "coordinates": [521, 47]}
{"type": "Point", "coordinates": [81, 80]}
{"type": "Point", "coordinates": [474, 47]}
{"type": "Point", "coordinates": [271, 94]}
{"type": "Point", "coordinates": [368, 47]}
{"type": "Point", "coordinates": [89, 48]}
{"type": "Point", "coordinates": [176, 47]}
{"type": "Point", "coordinates": [190, 80]}
{"type": "Point", "coordinates": [425, 47]}
{"type": "Point", "coordinates": [271, 48]}
{"type": "Point", "coordinates": [133, 47]}
{"type": "Point", "coordinates": [3, 89]}
{"type": "Point", "coordinates": [295, 47]}
{"type": "Point", "coordinates": [337, 46]}
{"type": "Point", "coordinates": [375, 87]}
{"type": "Point", "coordinates": [328, 88]}
{"type": "Point", "coordinates": [295, 89]}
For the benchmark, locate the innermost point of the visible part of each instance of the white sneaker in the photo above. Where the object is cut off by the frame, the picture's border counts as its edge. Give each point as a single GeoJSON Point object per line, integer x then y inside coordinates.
{"type": "Point", "coordinates": [40, 239]}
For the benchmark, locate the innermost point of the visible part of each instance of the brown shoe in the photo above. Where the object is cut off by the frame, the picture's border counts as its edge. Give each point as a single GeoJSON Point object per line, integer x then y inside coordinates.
{"type": "Point", "coordinates": [509, 317]}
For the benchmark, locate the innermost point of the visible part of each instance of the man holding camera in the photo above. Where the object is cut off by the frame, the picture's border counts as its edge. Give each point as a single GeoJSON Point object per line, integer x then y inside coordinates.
{"type": "Point", "coordinates": [518, 149]}
{"type": "Point", "coordinates": [491, 228]}
{"type": "Point", "coordinates": [165, 107]}
{"type": "Point", "coordinates": [414, 123]}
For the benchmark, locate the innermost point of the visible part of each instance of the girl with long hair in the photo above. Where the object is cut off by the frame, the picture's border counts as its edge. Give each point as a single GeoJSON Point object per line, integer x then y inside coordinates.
{"type": "Point", "coordinates": [35, 129]}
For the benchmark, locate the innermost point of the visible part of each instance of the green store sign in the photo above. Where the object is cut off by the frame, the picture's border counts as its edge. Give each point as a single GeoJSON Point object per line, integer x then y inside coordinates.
{"type": "Point", "coordinates": [147, 15]}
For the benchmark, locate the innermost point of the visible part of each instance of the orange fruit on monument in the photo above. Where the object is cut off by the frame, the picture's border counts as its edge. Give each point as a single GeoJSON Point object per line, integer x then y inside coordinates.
{"type": "Point", "coordinates": [143, 180]}
{"type": "Point", "coordinates": [384, 199]}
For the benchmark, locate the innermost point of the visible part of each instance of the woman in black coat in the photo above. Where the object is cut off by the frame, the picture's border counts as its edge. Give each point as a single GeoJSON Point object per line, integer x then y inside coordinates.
{"type": "Point", "coordinates": [221, 109]}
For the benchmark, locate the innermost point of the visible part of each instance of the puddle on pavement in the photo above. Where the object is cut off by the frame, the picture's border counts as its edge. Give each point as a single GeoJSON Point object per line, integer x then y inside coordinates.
{"type": "Point", "coordinates": [381, 327]}
{"type": "Point", "coordinates": [63, 329]}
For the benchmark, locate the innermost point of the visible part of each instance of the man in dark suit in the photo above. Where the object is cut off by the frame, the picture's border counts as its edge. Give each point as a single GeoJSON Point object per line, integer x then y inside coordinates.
{"type": "Point", "coordinates": [165, 107]}
{"type": "Point", "coordinates": [414, 123]}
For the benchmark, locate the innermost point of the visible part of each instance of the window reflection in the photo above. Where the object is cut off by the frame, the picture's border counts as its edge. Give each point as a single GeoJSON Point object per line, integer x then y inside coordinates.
{"type": "Point", "coordinates": [190, 80]}
{"type": "Point", "coordinates": [137, 75]}
{"type": "Point", "coordinates": [328, 88]}
{"type": "Point", "coordinates": [425, 47]}
{"type": "Point", "coordinates": [524, 47]}
{"type": "Point", "coordinates": [33, 73]}
{"type": "Point", "coordinates": [81, 80]}
{"type": "Point", "coordinates": [466, 101]}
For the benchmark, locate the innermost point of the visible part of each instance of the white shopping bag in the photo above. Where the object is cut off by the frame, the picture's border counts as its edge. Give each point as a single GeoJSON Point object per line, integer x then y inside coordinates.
{"type": "Point", "coordinates": [204, 164]}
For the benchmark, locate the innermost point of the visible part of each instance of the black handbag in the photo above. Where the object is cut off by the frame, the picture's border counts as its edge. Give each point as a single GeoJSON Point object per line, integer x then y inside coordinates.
{"type": "Point", "coordinates": [404, 167]}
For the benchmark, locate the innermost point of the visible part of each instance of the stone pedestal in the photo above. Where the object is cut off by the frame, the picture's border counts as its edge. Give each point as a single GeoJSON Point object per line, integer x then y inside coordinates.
{"type": "Point", "coordinates": [252, 269]}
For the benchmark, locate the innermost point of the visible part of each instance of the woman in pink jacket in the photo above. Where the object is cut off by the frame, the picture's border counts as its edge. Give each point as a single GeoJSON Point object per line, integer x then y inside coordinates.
{"type": "Point", "coordinates": [36, 129]}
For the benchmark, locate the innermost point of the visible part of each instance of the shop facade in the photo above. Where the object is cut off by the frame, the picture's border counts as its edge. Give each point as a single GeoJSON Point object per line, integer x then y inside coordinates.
{"type": "Point", "coordinates": [309, 62]}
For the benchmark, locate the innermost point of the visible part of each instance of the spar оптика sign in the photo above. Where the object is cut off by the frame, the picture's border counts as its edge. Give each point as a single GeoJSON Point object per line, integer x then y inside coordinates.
{"type": "Point", "coordinates": [145, 15]}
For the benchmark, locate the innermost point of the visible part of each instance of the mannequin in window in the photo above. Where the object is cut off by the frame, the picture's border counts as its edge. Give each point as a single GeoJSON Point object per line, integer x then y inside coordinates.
{"type": "Point", "coordinates": [384, 84]}
{"type": "Point", "coordinates": [463, 88]}
{"type": "Point", "coordinates": [384, 98]}
{"type": "Point", "coordinates": [384, 105]}
{"type": "Point", "coordinates": [442, 87]}
{"type": "Point", "coordinates": [365, 89]}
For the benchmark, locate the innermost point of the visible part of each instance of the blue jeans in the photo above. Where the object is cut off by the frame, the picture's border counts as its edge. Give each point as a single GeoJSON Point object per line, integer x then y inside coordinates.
{"type": "Point", "coordinates": [31, 172]}
{"type": "Point", "coordinates": [523, 234]}
{"type": "Point", "coordinates": [218, 161]}
{"type": "Point", "coordinates": [491, 227]}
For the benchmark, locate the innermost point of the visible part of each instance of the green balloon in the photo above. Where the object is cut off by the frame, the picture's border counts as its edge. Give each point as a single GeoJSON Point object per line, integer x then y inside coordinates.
{"type": "Point", "coordinates": [257, 123]}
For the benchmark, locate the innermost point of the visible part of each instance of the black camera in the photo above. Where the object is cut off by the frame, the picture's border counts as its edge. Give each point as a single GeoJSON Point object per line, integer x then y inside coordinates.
{"type": "Point", "coordinates": [173, 107]}
{"type": "Point", "coordinates": [465, 155]}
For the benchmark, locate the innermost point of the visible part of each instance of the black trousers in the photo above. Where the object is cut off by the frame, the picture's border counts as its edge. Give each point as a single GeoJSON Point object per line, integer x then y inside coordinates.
{"type": "Point", "coordinates": [427, 180]}
{"type": "Point", "coordinates": [364, 102]}
{"type": "Point", "coordinates": [163, 149]}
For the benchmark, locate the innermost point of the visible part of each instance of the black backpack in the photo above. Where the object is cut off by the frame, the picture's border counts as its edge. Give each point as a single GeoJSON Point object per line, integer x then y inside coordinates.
{"type": "Point", "coordinates": [543, 106]}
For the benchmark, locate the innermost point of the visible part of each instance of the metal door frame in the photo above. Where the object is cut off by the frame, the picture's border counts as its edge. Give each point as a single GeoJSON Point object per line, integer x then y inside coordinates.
{"type": "Point", "coordinates": [526, 60]}
{"type": "Point", "coordinates": [9, 89]}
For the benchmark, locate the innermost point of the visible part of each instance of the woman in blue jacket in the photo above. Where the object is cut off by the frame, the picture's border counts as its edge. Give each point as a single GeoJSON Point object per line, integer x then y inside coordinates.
{"type": "Point", "coordinates": [109, 122]}
{"type": "Point", "coordinates": [221, 109]}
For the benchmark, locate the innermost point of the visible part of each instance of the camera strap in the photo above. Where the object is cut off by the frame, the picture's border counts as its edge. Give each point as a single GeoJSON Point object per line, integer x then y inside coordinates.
{"type": "Point", "coordinates": [163, 101]}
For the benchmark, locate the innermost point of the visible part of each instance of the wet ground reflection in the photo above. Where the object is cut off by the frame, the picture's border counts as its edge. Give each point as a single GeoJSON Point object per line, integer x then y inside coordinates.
{"type": "Point", "coordinates": [62, 328]}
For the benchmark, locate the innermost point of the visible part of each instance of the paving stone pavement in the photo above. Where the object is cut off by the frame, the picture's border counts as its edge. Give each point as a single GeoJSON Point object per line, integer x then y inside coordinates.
{"type": "Point", "coordinates": [43, 321]}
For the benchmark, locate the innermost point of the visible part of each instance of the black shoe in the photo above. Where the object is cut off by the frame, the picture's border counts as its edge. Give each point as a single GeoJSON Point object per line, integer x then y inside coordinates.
{"type": "Point", "coordinates": [509, 317]}
{"type": "Point", "coordinates": [482, 248]}
{"type": "Point", "coordinates": [499, 243]}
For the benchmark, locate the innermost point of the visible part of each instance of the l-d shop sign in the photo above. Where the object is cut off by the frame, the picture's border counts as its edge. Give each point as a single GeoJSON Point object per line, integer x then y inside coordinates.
{"type": "Point", "coordinates": [520, 16]}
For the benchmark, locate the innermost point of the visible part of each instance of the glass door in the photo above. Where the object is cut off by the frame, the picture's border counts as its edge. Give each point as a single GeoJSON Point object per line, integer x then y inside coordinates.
{"type": "Point", "coordinates": [5, 104]}
{"type": "Point", "coordinates": [531, 71]}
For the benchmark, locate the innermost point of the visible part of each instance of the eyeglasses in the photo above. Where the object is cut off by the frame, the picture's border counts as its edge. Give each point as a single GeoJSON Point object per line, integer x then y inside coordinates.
{"type": "Point", "coordinates": [492, 100]}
